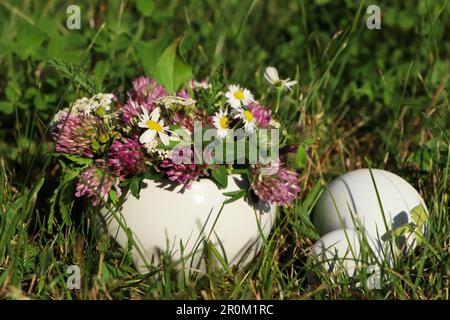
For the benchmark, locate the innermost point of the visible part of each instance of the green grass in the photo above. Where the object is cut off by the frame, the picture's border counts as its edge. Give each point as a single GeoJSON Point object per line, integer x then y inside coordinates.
{"type": "Point", "coordinates": [380, 95]}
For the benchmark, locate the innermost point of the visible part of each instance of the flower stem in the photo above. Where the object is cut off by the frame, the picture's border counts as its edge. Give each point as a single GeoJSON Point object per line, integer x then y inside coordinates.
{"type": "Point", "coordinates": [278, 99]}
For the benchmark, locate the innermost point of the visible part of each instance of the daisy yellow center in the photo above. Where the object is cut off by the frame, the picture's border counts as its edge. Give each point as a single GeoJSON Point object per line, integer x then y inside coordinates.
{"type": "Point", "coordinates": [224, 122]}
{"type": "Point", "coordinates": [278, 83]}
{"type": "Point", "coordinates": [153, 125]}
{"type": "Point", "coordinates": [239, 94]}
{"type": "Point", "coordinates": [248, 116]}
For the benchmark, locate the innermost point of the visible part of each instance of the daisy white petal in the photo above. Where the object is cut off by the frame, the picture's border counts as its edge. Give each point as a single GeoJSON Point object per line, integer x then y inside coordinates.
{"type": "Point", "coordinates": [271, 75]}
{"type": "Point", "coordinates": [164, 138]}
{"type": "Point", "coordinates": [155, 114]}
{"type": "Point", "coordinates": [288, 84]}
{"type": "Point", "coordinates": [147, 137]}
{"type": "Point", "coordinates": [142, 124]}
{"type": "Point", "coordinates": [144, 113]}
{"type": "Point", "coordinates": [248, 97]}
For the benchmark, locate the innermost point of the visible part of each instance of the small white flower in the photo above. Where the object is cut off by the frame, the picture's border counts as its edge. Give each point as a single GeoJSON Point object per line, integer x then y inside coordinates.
{"type": "Point", "coordinates": [274, 123]}
{"type": "Point", "coordinates": [271, 75]}
{"type": "Point", "coordinates": [152, 148]}
{"type": "Point", "coordinates": [154, 127]}
{"type": "Point", "coordinates": [81, 106]}
{"type": "Point", "coordinates": [249, 121]}
{"type": "Point", "coordinates": [102, 100]}
{"type": "Point", "coordinates": [58, 116]}
{"type": "Point", "coordinates": [170, 101]}
{"type": "Point", "coordinates": [194, 85]}
{"type": "Point", "coordinates": [221, 122]}
{"type": "Point", "coordinates": [237, 96]}
{"type": "Point", "coordinates": [90, 105]}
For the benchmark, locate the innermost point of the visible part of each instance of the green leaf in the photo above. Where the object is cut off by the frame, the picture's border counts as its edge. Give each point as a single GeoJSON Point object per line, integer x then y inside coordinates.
{"type": "Point", "coordinates": [300, 158]}
{"type": "Point", "coordinates": [366, 90]}
{"type": "Point", "coordinates": [135, 187]}
{"type": "Point", "coordinates": [65, 202]}
{"type": "Point", "coordinates": [398, 232]}
{"type": "Point", "coordinates": [67, 48]}
{"type": "Point", "coordinates": [31, 93]}
{"type": "Point", "coordinates": [77, 76]}
{"type": "Point", "coordinates": [100, 71]}
{"type": "Point", "coordinates": [113, 196]}
{"type": "Point", "coordinates": [146, 7]}
{"type": "Point", "coordinates": [149, 52]}
{"type": "Point", "coordinates": [182, 73]}
{"type": "Point", "coordinates": [311, 198]}
{"type": "Point", "coordinates": [29, 41]}
{"type": "Point", "coordinates": [174, 127]}
{"type": "Point", "coordinates": [165, 67]}
{"type": "Point", "coordinates": [220, 176]}
{"type": "Point", "coordinates": [64, 195]}
{"type": "Point", "coordinates": [170, 70]}
{"type": "Point", "coordinates": [13, 92]}
{"type": "Point", "coordinates": [403, 229]}
{"type": "Point", "coordinates": [106, 273]}
{"type": "Point", "coordinates": [234, 195]}
{"type": "Point", "coordinates": [78, 160]}
{"type": "Point", "coordinates": [420, 239]}
{"type": "Point", "coordinates": [6, 107]}
{"type": "Point", "coordinates": [153, 175]}
{"type": "Point", "coordinates": [243, 171]}
{"type": "Point", "coordinates": [172, 144]}
{"type": "Point", "coordinates": [48, 26]}
{"type": "Point", "coordinates": [42, 283]}
{"type": "Point", "coordinates": [419, 215]}
{"type": "Point", "coordinates": [39, 102]}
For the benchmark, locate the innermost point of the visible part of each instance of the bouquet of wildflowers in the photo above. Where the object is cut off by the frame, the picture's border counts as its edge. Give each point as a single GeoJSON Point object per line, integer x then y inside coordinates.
{"type": "Point", "coordinates": [204, 130]}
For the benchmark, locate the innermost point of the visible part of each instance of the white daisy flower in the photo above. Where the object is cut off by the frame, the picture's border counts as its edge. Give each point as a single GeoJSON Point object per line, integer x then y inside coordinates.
{"type": "Point", "coordinates": [249, 121]}
{"type": "Point", "coordinates": [271, 75]}
{"type": "Point", "coordinates": [221, 122]}
{"type": "Point", "coordinates": [238, 96]}
{"type": "Point", "coordinates": [154, 127]}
